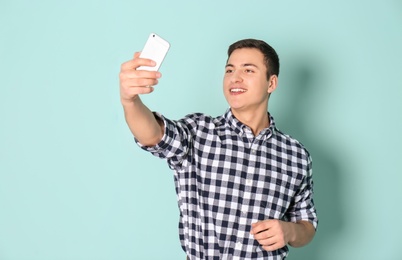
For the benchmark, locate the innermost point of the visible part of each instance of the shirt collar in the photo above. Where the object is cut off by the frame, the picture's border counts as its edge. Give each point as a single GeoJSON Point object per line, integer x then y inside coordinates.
{"type": "Point", "coordinates": [239, 127]}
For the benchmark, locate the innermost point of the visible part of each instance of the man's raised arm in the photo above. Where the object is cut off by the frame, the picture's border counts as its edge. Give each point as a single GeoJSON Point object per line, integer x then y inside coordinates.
{"type": "Point", "coordinates": [145, 127]}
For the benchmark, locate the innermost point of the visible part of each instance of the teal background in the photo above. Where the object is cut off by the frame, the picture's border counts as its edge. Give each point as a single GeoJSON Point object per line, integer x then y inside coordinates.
{"type": "Point", "coordinates": [73, 185]}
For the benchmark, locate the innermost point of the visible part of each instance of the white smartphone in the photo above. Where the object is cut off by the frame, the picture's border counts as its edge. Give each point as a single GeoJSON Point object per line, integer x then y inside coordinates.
{"type": "Point", "coordinates": [155, 49]}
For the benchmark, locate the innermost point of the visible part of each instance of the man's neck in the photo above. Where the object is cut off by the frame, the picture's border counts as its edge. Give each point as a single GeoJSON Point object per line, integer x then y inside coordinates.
{"type": "Point", "coordinates": [257, 120]}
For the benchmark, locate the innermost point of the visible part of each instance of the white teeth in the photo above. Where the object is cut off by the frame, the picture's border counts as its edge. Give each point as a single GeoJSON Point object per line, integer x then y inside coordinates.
{"type": "Point", "coordinates": [237, 90]}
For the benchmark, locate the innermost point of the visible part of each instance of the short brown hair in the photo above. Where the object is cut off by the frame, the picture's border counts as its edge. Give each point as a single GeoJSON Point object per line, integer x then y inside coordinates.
{"type": "Point", "coordinates": [271, 58]}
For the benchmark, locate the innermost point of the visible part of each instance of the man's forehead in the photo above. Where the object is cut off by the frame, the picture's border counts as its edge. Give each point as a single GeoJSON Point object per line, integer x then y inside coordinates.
{"type": "Point", "coordinates": [245, 56]}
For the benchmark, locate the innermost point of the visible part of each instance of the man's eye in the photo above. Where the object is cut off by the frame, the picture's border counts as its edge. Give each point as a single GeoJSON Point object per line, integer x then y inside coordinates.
{"type": "Point", "coordinates": [249, 71]}
{"type": "Point", "coordinates": [229, 71]}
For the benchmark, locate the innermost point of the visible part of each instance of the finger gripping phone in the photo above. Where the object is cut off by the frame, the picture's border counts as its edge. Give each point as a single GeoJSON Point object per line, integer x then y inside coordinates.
{"type": "Point", "coordinates": [155, 49]}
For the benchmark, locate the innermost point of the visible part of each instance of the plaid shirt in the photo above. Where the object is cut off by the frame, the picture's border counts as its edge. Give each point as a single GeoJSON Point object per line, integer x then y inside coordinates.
{"type": "Point", "coordinates": [226, 178]}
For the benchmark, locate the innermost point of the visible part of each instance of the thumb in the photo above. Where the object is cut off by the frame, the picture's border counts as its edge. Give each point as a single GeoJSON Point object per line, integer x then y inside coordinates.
{"type": "Point", "coordinates": [137, 54]}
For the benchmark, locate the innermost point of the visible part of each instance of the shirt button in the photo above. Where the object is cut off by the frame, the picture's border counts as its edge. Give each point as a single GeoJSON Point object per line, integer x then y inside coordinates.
{"type": "Point", "coordinates": [238, 245]}
{"type": "Point", "coordinates": [253, 151]}
{"type": "Point", "coordinates": [248, 182]}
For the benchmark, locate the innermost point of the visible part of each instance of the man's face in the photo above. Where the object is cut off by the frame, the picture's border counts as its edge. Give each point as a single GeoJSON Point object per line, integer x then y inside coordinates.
{"type": "Point", "coordinates": [245, 84]}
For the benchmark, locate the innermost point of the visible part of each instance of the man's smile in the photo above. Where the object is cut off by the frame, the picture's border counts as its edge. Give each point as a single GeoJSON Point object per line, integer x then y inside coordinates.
{"type": "Point", "coordinates": [236, 91]}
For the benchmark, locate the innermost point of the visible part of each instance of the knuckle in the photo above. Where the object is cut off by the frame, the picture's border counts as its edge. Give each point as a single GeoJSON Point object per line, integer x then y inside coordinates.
{"type": "Point", "coordinates": [146, 90]}
{"type": "Point", "coordinates": [124, 83]}
{"type": "Point", "coordinates": [142, 82]}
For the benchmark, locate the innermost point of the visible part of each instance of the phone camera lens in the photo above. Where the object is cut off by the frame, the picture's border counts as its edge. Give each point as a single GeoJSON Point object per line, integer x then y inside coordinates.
{"type": "Point", "coordinates": [153, 35]}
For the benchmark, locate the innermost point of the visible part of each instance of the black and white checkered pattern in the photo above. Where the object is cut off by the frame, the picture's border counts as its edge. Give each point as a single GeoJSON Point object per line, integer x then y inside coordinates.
{"type": "Point", "coordinates": [226, 178]}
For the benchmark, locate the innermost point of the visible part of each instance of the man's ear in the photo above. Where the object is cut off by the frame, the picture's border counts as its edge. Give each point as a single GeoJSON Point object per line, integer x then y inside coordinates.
{"type": "Point", "coordinates": [272, 83]}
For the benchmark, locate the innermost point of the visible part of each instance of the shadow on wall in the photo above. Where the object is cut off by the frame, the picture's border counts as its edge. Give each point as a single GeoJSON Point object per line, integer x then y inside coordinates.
{"type": "Point", "coordinates": [301, 108]}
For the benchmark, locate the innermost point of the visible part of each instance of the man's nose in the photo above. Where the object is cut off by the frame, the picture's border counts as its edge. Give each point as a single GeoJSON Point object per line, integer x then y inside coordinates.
{"type": "Point", "coordinates": [236, 77]}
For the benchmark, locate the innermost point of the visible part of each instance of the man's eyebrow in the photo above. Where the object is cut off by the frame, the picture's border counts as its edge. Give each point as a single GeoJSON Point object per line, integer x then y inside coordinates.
{"type": "Point", "coordinates": [249, 64]}
{"type": "Point", "coordinates": [242, 65]}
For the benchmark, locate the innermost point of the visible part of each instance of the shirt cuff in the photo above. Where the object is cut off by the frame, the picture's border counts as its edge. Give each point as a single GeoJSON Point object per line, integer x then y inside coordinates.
{"type": "Point", "coordinates": [164, 142]}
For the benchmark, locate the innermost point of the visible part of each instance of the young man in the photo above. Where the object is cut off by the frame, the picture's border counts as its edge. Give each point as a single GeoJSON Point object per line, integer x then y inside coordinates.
{"type": "Point", "coordinates": [244, 188]}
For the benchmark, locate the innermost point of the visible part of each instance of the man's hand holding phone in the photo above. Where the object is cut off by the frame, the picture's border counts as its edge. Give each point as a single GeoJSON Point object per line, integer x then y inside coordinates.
{"type": "Point", "coordinates": [138, 75]}
{"type": "Point", "coordinates": [134, 82]}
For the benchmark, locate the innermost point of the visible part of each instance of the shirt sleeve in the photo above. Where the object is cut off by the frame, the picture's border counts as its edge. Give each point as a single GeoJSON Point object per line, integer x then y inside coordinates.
{"type": "Point", "coordinates": [303, 207]}
{"type": "Point", "coordinates": [176, 141]}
